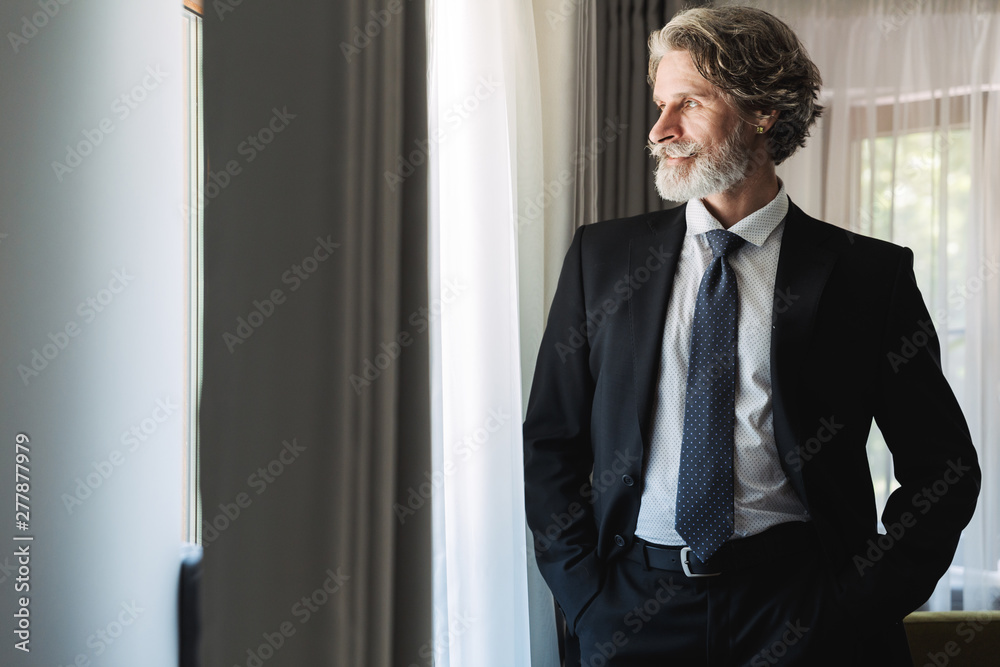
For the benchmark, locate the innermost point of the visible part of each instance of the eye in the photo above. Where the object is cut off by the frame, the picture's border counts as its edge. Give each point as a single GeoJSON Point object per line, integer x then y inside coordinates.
{"type": "Point", "coordinates": [661, 107]}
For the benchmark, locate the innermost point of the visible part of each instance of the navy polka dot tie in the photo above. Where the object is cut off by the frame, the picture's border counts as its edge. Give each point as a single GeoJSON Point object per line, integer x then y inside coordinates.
{"type": "Point", "coordinates": [704, 510]}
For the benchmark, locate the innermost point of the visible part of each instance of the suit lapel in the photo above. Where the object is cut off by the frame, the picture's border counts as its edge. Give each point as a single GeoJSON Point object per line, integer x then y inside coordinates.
{"type": "Point", "coordinates": [648, 306]}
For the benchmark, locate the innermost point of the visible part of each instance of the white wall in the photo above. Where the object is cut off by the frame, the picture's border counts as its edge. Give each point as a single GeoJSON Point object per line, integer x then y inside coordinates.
{"type": "Point", "coordinates": [66, 236]}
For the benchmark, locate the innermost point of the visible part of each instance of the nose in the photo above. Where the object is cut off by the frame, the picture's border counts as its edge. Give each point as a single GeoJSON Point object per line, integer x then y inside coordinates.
{"type": "Point", "coordinates": [665, 128]}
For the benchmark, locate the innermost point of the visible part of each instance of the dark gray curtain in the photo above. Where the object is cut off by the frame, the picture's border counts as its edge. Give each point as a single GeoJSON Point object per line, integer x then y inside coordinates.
{"type": "Point", "coordinates": [315, 418]}
{"type": "Point", "coordinates": [625, 169]}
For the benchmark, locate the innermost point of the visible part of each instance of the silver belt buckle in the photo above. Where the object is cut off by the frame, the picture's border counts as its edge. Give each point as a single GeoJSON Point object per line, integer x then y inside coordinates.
{"type": "Point", "coordinates": [687, 568]}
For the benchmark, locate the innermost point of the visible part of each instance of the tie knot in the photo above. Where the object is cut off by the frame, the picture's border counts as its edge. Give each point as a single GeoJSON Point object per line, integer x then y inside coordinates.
{"type": "Point", "coordinates": [723, 241]}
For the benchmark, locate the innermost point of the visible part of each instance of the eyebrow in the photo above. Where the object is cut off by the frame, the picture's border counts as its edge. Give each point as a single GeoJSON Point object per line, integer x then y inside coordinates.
{"type": "Point", "coordinates": [686, 93]}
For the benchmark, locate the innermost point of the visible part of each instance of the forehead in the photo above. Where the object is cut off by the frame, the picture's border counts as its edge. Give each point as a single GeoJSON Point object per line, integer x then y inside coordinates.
{"type": "Point", "coordinates": [676, 76]}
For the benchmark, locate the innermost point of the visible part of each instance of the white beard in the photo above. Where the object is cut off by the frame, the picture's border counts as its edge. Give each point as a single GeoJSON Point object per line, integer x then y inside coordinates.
{"type": "Point", "coordinates": [707, 173]}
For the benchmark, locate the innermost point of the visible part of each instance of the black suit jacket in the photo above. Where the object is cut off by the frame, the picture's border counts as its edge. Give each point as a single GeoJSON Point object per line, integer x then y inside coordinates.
{"type": "Point", "coordinates": [851, 339]}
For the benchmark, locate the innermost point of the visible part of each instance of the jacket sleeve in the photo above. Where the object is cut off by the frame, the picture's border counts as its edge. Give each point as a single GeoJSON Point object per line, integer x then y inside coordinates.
{"type": "Point", "coordinates": [934, 459]}
{"type": "Point", "coordinates": [558, 455]}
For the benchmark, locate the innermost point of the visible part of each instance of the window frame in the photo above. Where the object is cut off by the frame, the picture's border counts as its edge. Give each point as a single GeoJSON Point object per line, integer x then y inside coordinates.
{"type": "Point", "coordinates": [193, 219]}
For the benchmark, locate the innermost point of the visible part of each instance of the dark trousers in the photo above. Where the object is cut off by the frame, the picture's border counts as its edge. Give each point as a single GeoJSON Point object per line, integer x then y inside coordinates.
{"type": "Point", "coordinates": [773, 614]}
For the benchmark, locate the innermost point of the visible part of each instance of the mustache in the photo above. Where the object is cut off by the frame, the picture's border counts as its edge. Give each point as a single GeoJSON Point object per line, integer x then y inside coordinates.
{"type": "Point", "coordinates": [664, 151]}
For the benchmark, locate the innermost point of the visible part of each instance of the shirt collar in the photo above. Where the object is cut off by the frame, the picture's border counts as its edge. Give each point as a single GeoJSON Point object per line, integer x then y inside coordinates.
{"type": "Point", "coordinates": [755, 228]}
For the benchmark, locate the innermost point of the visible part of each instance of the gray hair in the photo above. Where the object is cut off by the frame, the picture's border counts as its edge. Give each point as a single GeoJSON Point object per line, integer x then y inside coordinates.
{"type": "Point", "coordinates": [755, 60]}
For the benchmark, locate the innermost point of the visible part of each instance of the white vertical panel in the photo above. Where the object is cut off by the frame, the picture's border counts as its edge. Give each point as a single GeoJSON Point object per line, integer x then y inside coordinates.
{"type": "Point", "coordinates": [107, 228]}
{"type": "Point", "coordinates": [479, 541]}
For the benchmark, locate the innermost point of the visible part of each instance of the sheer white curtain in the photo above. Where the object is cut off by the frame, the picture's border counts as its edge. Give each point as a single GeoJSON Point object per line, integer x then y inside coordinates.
{"type": "Point", "coordinates": [483, 110]}
{"type": "Point", "coordinates": [513, 142]}
{"type": "Point", "coordinates": [907, 151]}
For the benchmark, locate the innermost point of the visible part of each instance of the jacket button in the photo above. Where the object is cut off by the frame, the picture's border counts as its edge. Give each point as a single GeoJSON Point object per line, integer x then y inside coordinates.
{"type": "Point", "coordinates": [628, 480]}
{"type": "Point", "coordinates": [619, 540]}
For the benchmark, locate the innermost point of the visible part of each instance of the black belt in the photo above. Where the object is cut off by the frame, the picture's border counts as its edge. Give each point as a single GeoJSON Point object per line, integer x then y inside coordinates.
{"type": "Point", "coordinates": [774, 546]}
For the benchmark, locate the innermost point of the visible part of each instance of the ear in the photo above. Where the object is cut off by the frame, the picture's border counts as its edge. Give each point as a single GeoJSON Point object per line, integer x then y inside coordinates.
{"type": "Point", "coordinates": [766, 119]}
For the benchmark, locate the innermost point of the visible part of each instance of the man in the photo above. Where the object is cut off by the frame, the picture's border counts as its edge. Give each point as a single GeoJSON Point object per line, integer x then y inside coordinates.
{"type": "Point", "coordinates": [696, 478]}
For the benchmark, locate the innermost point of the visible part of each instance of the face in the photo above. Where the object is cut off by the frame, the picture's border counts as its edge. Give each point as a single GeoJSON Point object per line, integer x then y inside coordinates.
{"type": "Point", "coordinates": [701, 144]}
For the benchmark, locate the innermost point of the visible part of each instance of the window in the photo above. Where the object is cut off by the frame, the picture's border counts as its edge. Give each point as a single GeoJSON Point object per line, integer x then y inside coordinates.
{"type": "Point", "coordinates": [913, 188]}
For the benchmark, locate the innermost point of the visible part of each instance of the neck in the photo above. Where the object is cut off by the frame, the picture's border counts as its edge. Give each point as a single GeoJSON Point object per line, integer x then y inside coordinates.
{"type": "Point", "coordinates": [749, 195]}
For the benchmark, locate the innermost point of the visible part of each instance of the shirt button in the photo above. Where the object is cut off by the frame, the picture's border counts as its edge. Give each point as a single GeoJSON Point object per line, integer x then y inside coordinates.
{"type": "Point", "coordinates": [628, 480]}
{"type": "Point", "coordinates": [619, 540]}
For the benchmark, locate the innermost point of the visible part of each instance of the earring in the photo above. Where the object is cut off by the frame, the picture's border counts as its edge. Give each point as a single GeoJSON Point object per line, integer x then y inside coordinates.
{"type": "Point", "coordinates": [760, 129]}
